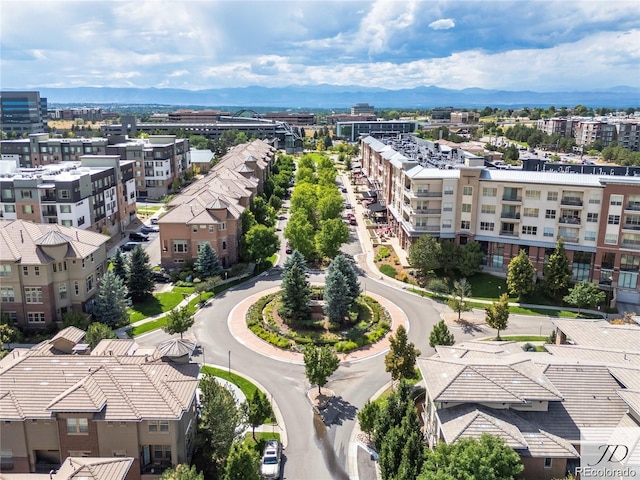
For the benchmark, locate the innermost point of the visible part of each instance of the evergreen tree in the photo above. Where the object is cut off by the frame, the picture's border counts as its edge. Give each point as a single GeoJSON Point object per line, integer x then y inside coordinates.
{"type": "Point", "coordinates": [337, 300]}
{"type": "Point", "coordinates": [392, 413]}
{"type": "Point", "coordinates": [207, 264]}
{"type": "Point", "coordinates": [179, 320]}
{"type": "Point", "coordinates": [341, 263]}
{"type": "Point", "coordinates": [557, 271]}
{"type": "Point", "coordinates": [319, 364]}
{"type": "Point", "coordinates": [98, 331]}
{"type": "Point", "coordinates": [400, 361]}
{"type": "Point", "coordinates": [119, 263]}
{"type": "Point", "coordinates": [140, 282]}
{"type": "Point", "coordinates": [449, 256]}
{"type": "Point", "coordinates": [457, 303]}
{"type": "Point", "coordinates": [470, 259]}
{"type": "Point", "coordinates": [111, 301]}
{"type": "Point", "coordinates": [520, 275]}
{"type": "Point", "coordinates": [440, 335]}
{"type": "Point", "coordinates": [243, 463]}
{"type": "Point", "coordinates": [257, 410]}
{"type": "Point", "coordinates": [76, 319]}
{"type": "Point", "coordinates": [498, 314]}
{"type": "Point", "coordinates": [296, 290]}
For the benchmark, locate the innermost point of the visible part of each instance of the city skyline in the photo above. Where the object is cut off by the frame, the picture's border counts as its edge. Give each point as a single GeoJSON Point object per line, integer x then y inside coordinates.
{"type": "Point", "coordinates": [539, 46]}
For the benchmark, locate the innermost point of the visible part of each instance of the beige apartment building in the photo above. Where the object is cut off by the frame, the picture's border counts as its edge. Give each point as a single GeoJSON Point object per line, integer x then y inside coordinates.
{"type": "Point", "coordinates": [120, 400]}
{"type": "Point", "coordinates": [596, 215]}
{"type": "Point", "coordinates": [47, 270]}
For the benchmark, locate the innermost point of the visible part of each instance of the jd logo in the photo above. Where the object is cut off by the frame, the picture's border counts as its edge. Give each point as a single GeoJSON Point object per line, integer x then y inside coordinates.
{"type": "Point", "coordinates": [613, 452]}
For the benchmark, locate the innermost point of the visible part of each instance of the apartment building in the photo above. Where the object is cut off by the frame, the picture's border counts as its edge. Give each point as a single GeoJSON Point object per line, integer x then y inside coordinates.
{"type": "Point", "coordinates": [362, 109]}
{"type": "Point", "coordinates": [597, 215]}
{"type": "Point", "coordinates": [538, 403]}
{"type": "Point", "coordinates": [88, 114]}
{"type": "Point", "coordinates": [210, 209]}
{"type": "Point", "coordinates": [22, 112]}
{"type": "Point", "coordinates": [95, 193]}
{"type": "Point", "coordinates": [605, 130]}
{"type": "Point", "coordinates": [292, 118]}
{"type": "Point", "coordinates": [47, 270]}
{"type": "Point", "coordinates": [352, 130]}
{"type": "Point", "coordinates": [465, 117]}
{"type": "Point", "coordinates": [120, 400]}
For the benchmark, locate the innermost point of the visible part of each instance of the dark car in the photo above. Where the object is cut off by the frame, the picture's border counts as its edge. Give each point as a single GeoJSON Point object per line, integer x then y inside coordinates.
{"type": "Point", "coordinates": [353, 221]}
{"type": "Point", "coordinates": [161, 277]}
{"type": "Point", "coordinates": [138, 237]}
{"type": "Point", "coordinates": [347, 206]}
{"type": "Point", "coordinates": [343, 189]}
{"type": "Point", "coordinates": [127, 247]}
{"type": "Point", "coordinates": [154, 220]}
{"type": "Point", "coordinates": [288, 249]}
{"type": "Point", "coordinates": [150, 229]}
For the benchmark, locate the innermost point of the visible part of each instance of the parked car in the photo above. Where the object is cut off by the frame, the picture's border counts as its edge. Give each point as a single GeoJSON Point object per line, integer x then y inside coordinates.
{"type": "Point", "coordinates": [127, 247]}
{"type": "Point", "coordinates": [150, 229]}
{"type": "Point", "coordinates": [271, 459]}
{"type": "Point", "coordinates": [288, 249]}
{"type": "Point", "coordinates": [353, 221]}
{"type": "Point", "coordinates": [161, 277]}
{"type": "Point", "coordinates": [138, 237]}
{"type": "Point", "coordinates": [154, 220]}
{"type": "Point", "coordinates": [347, 206]}
{"type": "Point", "coordinates": [343, 189]}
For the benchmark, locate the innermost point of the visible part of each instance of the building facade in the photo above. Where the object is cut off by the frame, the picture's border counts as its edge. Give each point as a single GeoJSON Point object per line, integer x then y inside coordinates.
{"type": "Point", "coordinates": [363, 109]}
{"type": "Point", "coordinates": [624, 131]}
{"type": "Point", "coordinates": [353, 130]}
{"type": "Point", "coordinates": [22, 112]}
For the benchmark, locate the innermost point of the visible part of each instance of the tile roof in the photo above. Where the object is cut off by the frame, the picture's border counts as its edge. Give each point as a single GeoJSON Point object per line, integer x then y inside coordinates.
{"type": "Point", "coordinates": [92, 468]}
{"type": "Point", "coordinates": [594, 354]}
{"type": "Point", "coordinates": [72, 334]}
{"type": "Point", "coordinates": [601, 334]}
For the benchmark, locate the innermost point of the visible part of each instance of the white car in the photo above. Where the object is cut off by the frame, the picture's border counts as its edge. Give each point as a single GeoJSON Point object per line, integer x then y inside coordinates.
{"type": "Point", "coordinates": [271, 459]}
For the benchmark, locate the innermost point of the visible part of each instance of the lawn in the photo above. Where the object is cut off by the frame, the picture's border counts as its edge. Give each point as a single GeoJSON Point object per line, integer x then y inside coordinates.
{"type": "Point", "coordinates": [242, 383]}
{"type": "Point", "coordinates": [488, 287]}
{"type": "Point", "coordinates": [158, 303]}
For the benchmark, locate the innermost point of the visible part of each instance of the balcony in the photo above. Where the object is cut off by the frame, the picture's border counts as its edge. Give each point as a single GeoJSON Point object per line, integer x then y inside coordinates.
{"type": "Point", "coordinates": [570, 220]}
{"type": "Point", "coordinates": [426, 228]}
{"type": "Point", "coordinates": [571, 201]}
{"type": "Point", "coordinates": [630, 226]}
{"type": "Point", "coordinates": [511, 198]}
{"type": "Point", "coordinates": [633, 244]}
{"type": "Point", "coordinates": [48, 198]}
{"type": "Point", "coordinates": [635, 206]}
{"type": "Point", "coordinates": [426, 211]}
{"type": "Point", "coordinates": [569, 238]}
{"type": "Point", "coordinates": [49, 212]}
{"type": "Point", "coordinates": [508, 233]}
{"type": "Point", "coordinates": [426, 194]}
{"type": "Point", "coordinates": [513, 216]}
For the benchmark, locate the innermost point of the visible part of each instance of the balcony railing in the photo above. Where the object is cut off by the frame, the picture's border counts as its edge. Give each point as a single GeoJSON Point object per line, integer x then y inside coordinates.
{"type": "Point", "coordinates": [634, 244]}
{"type": "Point", "coordinates": [569, 239]}
{"type": "Point", "coordinates": [48, 198]}
{"type": "Point", "coordinates": [515, 216]}
{"type": "Point", "coordinates": [511, 198]}
{"type": "Point", "coordinates": [571, 220]}
{"type": "Point", "coordinates": [573, 201]}
{"type": "Point", "coordinates": [633, 206]}
{"type": "Point", "coordinates": [426, 228]}
{"type": "Point", "coordinates": [427, 211]}
{"type": "Point", "coordinates": [428, 194]}
{"type": "Point", "coordinates": [508, 233]}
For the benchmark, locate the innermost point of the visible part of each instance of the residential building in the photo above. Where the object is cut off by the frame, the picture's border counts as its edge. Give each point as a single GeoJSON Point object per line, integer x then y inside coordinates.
{"type": "Point", "coordinates": [538, 403]}
{"type": "Point", "coordinates": [353, 130]}
{"type": "Point", "coordinates": [195, 116]}
{"type": "Point", "coordinates": [362, 109]}
{"type": "Point", "coordinates": [449, 194]}
{"type": "Point", "coordinates": [335, 118]}
{"type": "Point", "coordinates": [201, 160]}
{"type": "Point", "coordinates": [119, 400]}
{"type": "Point", "coordinates": [465, 117]}
{"type": "Point", "coordinates": [47, 270]}
{"type": "Point", "coordinates": [624, 131]}
{"type": "Point", "coordinates": [96, 193]}
{"type": "Point", "coordinates": [22, 112]}
{"type": "Point", "coordinates": [292, 118]}
{"type": "Point", "coordinates": [88, 114]}
{"type": "Point", "coordinates": [209, 210]}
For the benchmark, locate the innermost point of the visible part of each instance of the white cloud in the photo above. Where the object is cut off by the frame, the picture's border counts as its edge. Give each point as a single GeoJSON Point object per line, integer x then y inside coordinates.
{"type": "Point", "coordinates": [443, 24]}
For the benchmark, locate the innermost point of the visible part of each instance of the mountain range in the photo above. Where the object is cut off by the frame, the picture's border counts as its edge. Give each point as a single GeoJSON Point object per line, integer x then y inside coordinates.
{"type": "Point", "coordinates": [331, 96]}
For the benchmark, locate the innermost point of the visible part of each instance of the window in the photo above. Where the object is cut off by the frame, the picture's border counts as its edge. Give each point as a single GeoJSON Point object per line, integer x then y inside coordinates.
{"type": "Point", "coordinates": [487, 226]}
{"type": "Point", "coordinates": [447, 207]}
{"type": "Point", "coordinates": [25, 194]}
{"type": "Point", "coordinates": [81, 220]}
{"type": "Point", "coordinates": [531, 212]}
{"type": "Point", "coordinates": [552, 196]}
{"type": "Point", "coordinates": [465, 225]}
{"type": "Point", "coordinates": [62, 289]}
{"type": "Point", "coordinates": [35, 317]}
{"type": "Point", "coordinates": [548, 231]}
{"type": "Point", "coordinates": [33, 294]}
{"type": "Point", "coordinates": [6, 460]}
{"type": "Point", "coordinates": [630, 263]}
{"type": "Point", "coordinates": [7, 294]}
{"type": "Point", "coordinates": [532, 194]}
{"type": "Point", "coordinates": [211, 228]}
{"type": "Point", "coordinates": [161, 452]}
{"type": "Point", "coordinates": [64, 193]}
{"type": "Point", "coordinates": [77, 425]}
{"type": "Point", "coordinates": [628, 280]}
{"type": "Point", "coordinates": [67, 223]}
{"type": "Point", "coordinates": [159, 426]}
{"type": "Point", "coordinates": [547, 462]}
{"type": "Point", "coordinates": [488, 209]}
{"type": "Point", "coordinates": [36, 270]}
{"type": "Point", "coordinates": [224, 245]}
{"type": "Point", "coordinates": [446, 224]}
{"type": "Point", "coordinates": [550, 214]}
{"type": "Point", "coordinates": [25, 271]}
{"type": "Point", "coordinates": [615, 200]}
{"type": "Point", "coordinates": [7, 193]}
{"type": "Point", "coordinates": [180, 246]}
{"type": "Point", "coordinates": [222, 226]}
{"type": "Point", "coordinates": [592, 217]}
{"type": "Point", "coordinates": [489, 192]}
{"type": "Point", "coordinates": [589, 236]}
{"type": "Point", "coordinates": [594, 199]}
{"type": "Point", "coordinates": [581, 266]}
{"type": "Point", "coordinates": [10, 209]}
{"type": "Point", "coordinates": [467, 190]}
{"type": "Point", "coordinates": [613, 220]}
{"type": "Point", "coordinates": [529, 230]}
{"type": "Point", "coordinates": [194, 228]}
{"type": "Point", "coordinates": [466, 208]}
{"type": "Point", "coordinates": [65, 208]}
{"type": "Point", "coordinates": [448, 190]}
{"type": "Point", "coordinates": [76, 288]}
{"type": "Point", "coordinates": [611, 239]}
{"type": "Point", "coordinates": [5, 270]}
{"type": "Point", "coordinates": [88, 283]}
{"type": "Point", "coordinates": [27, 209]}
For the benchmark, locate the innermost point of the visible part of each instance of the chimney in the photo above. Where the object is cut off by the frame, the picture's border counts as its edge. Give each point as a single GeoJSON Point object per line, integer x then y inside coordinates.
{"type": "Point", "coordinates": [21, 236]}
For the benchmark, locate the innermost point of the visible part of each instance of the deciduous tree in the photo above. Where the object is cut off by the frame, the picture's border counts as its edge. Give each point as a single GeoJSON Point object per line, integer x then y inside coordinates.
{"type": "Point", "coordinates": [400, 361]}
{"type": "Point", "coordinates": [470, 259]}
{"type": "Point", "coordinates": [179, 320]}
{"type": "Point", "coordinates": [257, 410]}
{"type": "Point", "coordinates": [261, 242]}
{"type": "Point", "coordinates": [98, 331]}
{"type": "Point", "coordinates": [424, 254]}
{"type": "Point", "coordinates": [182, 472]}
{"type": "Point", "coordinates": [367, 417]}
{"type": "Point", "coordinates": [585, 295]}
{"type": "Point", "coordinates": [332, 234]}
{"type": "Point", "coordinates": [457, 303]}
{"type": "Point", "coordinates": [243, 463]}
{"type": "Point", "coordinates": [557, 271]}
{"type": "Point", "coordinates": [497, 314]}
{"type": "Point", "coordinates": [520, 275]}
{"type": "Point", "coordinates": [440, 335]}
{"type": "Point", "coordinates": [301, 234]}
{"type": "Point", "coordinates": [319, 364]}
{"type": "Point", "coordinates": [111, 301]}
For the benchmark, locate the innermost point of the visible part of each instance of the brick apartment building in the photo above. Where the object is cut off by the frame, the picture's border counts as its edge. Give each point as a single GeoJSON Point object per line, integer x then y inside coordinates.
{"type": "Point", "coordinates": [624, 131]}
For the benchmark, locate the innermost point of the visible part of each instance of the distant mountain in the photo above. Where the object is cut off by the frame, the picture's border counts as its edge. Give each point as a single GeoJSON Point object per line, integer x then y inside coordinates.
{"type": "Point", "coordinates": [331, 96]}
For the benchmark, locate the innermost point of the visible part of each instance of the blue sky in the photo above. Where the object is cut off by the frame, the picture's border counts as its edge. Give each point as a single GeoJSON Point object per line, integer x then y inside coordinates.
{"type": "Point", "coordinates": [555, 45]}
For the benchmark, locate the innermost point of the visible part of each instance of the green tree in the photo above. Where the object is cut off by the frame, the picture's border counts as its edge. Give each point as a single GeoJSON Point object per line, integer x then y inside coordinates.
{"type": "Point", "coordinates": [263, 213]}
{"type": "Point", "coordinates": [305, 199]}
{"type": "Point", "coordinates": [119, 264]}
{"type": "Point", "coordinates": [341, 263]}
{"type": "Point", "coordinates": [140, 282]}
{"type": "Point", "coordinates": [367, 417]}
{"type": "Point", "coordinates": [221, 423]}
{"type": "Point", "coordinates": [520, 275]}
{"type": "Point", "coordinates": [243, 463]}
{"type": "Point", "coordinates": [470, 259]}
{"type": "Point", "coordinates": [332, 234]}
{"type": "Point", "coordinates": [440, 335]}
{"type": "Point", "coordinates": [392, 412]}
{"type": "Point", "coordinates": [400, 361]}
{"type": "Point", "coordinates": [457, 303]}
{"type": "Point", "coordinates": [98, 331]}
{"type": "Point", "coordinates": [424, 254]}
{"type": "Point", "coordinates": [207, 264]}
{"type": "Point", "coordinates": [585, 295]}
{"type": "Point", "coordinates": [182, 472]}
{"type": "Point", "coordinates": [76, 319]}
{"type": "Point", "coordinates": [261, 242]}
{"type": "Point", "coordinates": [449, 256]}
{"type": "Point", "coordinates": [330, 205]}
{"type": "Point", "coordinates": [8, 334]}
{"type": "Point", "coordinates": [319, 364]}
{"type": "Point", "coordinates": [337, 300]}
{"type": "Point", "coordinates": [301, 234]}
{"type": "Point", "coordinates": [497, 314]}
{"type": "Point", "coordinates": [257, 410]}
{"type": "Point", "coordinates": [347, 164]}
{"type": "Point", "coordinates": [486, 458]}
{"type": "Point", "coordinates": [111, 301]}
{"type": "Point", "coordinates": [557, 271]}
{"type": "Point", "coordinates": [296, 290]}
{"type": "Point", "coordinates": [179, 320]}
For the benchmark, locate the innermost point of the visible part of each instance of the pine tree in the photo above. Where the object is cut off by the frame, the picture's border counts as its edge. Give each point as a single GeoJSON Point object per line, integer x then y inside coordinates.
{"type": "Point", "coordinates": [346, 268]}
{"type": "Point", "coordinates": [296, 290]}
{"type": "Point", "coordinates": [336, 296]}
{"type": "Point", "coordinates": [111, 301]}
{"type": "Point", "coordinates": [140, 282]}
{"type": "Point", "coordinates": [119, 263]}
{"type": "Point", "coordinates": [440, 335]}
{"type": "Point", "coordinates": [400, 361]}
{"type": "Point", "coordinates": [207, 264]}
{"type": "Point", "coordinates": [557, 271]}
{"type": "Point", "coordinates": [498, 314]}
{"type": "Point", "coordinates": [470, 259]}
{"type": "Point", "coordinates": [520, 275]}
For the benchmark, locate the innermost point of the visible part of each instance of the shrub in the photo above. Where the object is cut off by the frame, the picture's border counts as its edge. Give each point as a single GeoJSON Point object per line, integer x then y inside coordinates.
{"type": "Point", "coordinates": [345, 346]}
{"type": "Point", "coordinates": [388, 270]}
{"type": "Point", "coordinates": [438, 285]}
{"type": "Point", "coordinates": [396, 260]}
{"type": "Point", "coordinates": [383, 252]}
{"type": "Point", "coordinates": [528, 347]}
{"type": "Point", "coordinates": [403, 277]}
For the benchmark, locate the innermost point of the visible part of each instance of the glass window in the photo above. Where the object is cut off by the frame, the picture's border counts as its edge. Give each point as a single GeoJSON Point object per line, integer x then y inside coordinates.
{"type": "Point", "coordinates": [529, 230]}
{"type": "Point", "coordinates": [77, 425]}
{"type": "Point", "coordinates": [180, 246]}
{"type": "Point", "coordinates": [611, 239]}
{"type": "Point", "coordinates": [448, 190]}
{"type": "Point", "coordinates": [489, 192]}
{"type": "Point", "coordinates": [616, 200]}
{"type": "Point", "coordinates": [222, 226]}
{"type": "Point", "coordinates": [550, 214]}
{"type": "Point", "coordinates": [628, 279]}
{"type": "Point", "coordinates": [36, 270]}
{"type": "Point", "coordinates": [488, 209]}
{"type": "Point", "coordinates": [592, 217]}
{"type": "Point", "coordinates": [33, 294]}
{"type": "Point", "coordinates": [594, 199]}
{"type": "Point", "coordinates": [467, 190]}
{"type": "Point", "coordinates": [27, 209]}
{"type": "Point", "coordinates": [487, 226]}
{"type": "Point", "coordinates": [65, 208]}
{"type": "Point", "coordinates": [465, 225]}
{"type": "Point", "coordinates": [548, 231]}
{"type": "Point", "coordinates": [613, 220]}
{"type": "Point", "coordinates": [466, 208]}
{"type": "Point", "coordinates": [552, 196]}
{"type": "Point", "coordinates": [10, 209]}
{"type": "Point", "coordinates": [5, 270]}
{"type": "Point", "coordinates": [7, 294]}
{"type": "Point", "coordinates": [589, 236]}
{"type": "Point", "coordinates": [630, 263]}
{"type": "Point", "coordinates": [88, 283]}
{"type": "Point", "coordinates": [447, 207]}
{"type": "Point", "coordinates": [532, 194]}
{"type": "Point", "coordinates": [531, 212]}
{"type": "Point", "coordinates": [35, 317]}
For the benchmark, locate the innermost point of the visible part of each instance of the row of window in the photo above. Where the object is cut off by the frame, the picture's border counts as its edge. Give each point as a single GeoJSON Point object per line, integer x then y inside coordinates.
{"type": "Point", "coordinates": [182, 246]}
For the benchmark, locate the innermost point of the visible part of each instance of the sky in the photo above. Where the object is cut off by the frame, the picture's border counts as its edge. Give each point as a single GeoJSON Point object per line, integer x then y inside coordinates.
{"type": "Point", "coordinates": [543, 46]}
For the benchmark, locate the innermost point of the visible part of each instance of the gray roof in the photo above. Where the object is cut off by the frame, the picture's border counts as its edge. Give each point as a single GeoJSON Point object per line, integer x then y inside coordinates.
{"type": "Point", "coordinates": [92, 468]}
{"type": "Point", "coordinates": [600, 334]}
{"type": "Point", "coordinates": [556, 178]}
